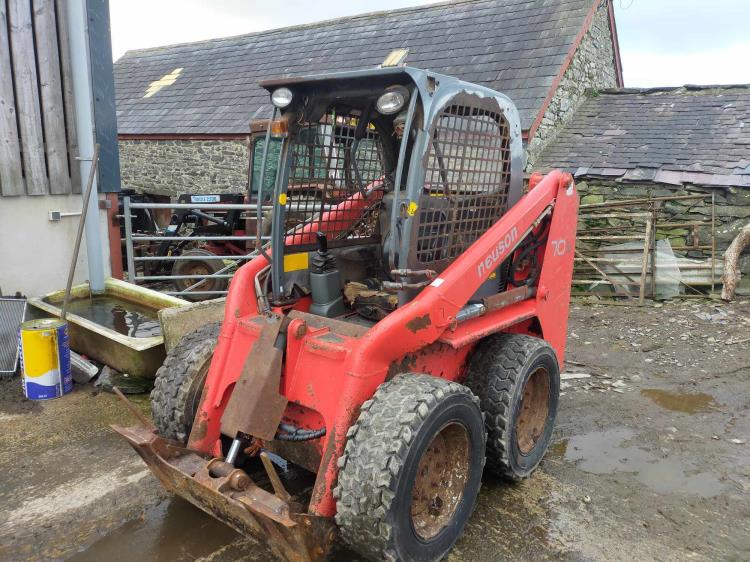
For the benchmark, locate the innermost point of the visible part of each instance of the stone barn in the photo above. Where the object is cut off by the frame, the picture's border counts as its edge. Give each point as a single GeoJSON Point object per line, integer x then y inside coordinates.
{"type": "Point", "coordinates": [630, 144]}
{"type": "Point", "coordinates": [184, 111]}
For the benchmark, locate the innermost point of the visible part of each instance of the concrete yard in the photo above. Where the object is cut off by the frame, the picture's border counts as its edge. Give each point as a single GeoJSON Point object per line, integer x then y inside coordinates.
{"type": "Point", "coordinates": [650, 461]}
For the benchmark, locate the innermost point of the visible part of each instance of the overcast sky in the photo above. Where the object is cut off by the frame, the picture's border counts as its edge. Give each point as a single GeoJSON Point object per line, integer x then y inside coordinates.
{"type": "Point", "coordinates": [663, 42]}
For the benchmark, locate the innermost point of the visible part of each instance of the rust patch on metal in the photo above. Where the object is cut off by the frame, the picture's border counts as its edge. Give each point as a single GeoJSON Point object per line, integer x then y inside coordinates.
{"type": "Point", "coordinates": [440, 481]}
{"type": "Point", "coordinates": [512, 296]}
{"type": "Point", "coordinates": [199, 430]}
{"type": "Point", "coordinates": [256, 406]}
{"type": "Point", "coordinates": [230, 495]}
{"type": "Point", "coordinates": [319, 489]}
{"type": "Point", "coordinates": [534, 410]}
{"type": "Point", "coordinates": [405, 365]}
{"type": "Point", "coordinates": [419, 323]}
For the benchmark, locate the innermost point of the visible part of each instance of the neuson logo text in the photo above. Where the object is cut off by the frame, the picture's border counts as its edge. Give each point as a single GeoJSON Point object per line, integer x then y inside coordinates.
{"type": "Point", "coordinates": [498, 252]}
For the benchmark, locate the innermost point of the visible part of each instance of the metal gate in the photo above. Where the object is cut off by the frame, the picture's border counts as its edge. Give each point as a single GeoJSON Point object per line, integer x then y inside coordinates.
{"type": "Point", "coordinates": [143, 267]}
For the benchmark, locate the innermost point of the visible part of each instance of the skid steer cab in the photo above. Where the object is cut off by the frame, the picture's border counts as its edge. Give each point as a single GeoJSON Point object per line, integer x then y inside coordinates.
{"type": "Point", "coordinates": [401, 333]}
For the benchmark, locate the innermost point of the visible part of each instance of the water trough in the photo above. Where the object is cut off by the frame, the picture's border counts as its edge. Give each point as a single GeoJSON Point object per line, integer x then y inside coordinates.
{"type": "Point", "coordinates": [119, 328]}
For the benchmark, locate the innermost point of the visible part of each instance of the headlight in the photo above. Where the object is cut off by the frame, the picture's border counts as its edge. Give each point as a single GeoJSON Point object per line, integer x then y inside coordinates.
{"type": "Point", "coordinates": [392, 100]}
{"type": "Point", "coordinates": [282, 97]}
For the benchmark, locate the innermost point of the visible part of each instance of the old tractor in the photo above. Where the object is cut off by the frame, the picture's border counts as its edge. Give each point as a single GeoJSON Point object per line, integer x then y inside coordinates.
{"type": "Point", "coordinates": [400, 333]}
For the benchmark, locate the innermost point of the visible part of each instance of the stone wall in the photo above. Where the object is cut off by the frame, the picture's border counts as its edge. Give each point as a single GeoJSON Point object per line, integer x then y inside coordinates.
{"type": "Point", "coordinates": [732, 208]}
{"type": "Point", "coordinates": [592, 68]}
{"type": "Point", "coordinates": [173, 167]}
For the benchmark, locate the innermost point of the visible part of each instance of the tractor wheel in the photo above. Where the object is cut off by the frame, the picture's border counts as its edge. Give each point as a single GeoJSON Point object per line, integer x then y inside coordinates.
{"type": "Point", "coordinates": [179, 382]}
{"type": "Point", "coordinates": [198, 266]}
{"type": "Point", "coordinates": [411, 471]}
{"type": "Point", "coordinates": [517, 380]}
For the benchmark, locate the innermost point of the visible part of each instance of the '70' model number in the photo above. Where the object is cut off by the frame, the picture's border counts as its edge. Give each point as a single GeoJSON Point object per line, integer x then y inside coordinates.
{"type": "Point", "coordinates": [560, 247]}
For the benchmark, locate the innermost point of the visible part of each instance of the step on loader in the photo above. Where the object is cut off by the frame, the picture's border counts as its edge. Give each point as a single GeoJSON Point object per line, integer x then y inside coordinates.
{"type": "Point", "coordinates": [400, 333]}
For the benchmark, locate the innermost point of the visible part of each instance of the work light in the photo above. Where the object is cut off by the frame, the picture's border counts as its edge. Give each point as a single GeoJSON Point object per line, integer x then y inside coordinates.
{"type": "Point", "coordinates": [282, 97]}
{"type": "Point", "coordinates": [392, 100]}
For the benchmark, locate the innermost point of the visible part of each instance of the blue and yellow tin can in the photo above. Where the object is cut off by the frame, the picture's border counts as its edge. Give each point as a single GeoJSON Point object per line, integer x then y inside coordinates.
{"type": "Point", "coordinates": [45, 359]}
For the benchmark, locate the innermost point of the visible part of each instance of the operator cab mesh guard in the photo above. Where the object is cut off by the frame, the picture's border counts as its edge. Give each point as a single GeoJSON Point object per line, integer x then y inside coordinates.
{"type": "Point", "coordinates": [347, 162]}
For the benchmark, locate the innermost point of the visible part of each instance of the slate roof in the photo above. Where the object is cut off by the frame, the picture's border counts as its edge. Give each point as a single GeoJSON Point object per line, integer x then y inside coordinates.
{"type": "Point", "coordinates": [691, 135]}
{"type": "Point", "coordinates": [514, 46]}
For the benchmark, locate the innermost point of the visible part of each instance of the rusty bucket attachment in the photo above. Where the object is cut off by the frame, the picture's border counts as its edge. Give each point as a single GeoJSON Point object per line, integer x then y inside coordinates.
{"type": "Point", "coordinates": [230, 495]}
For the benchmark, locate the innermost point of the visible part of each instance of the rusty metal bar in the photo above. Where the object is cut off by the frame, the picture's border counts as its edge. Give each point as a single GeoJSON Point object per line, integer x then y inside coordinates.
{"type": "Point", "coordinates": [631, 202]}
{"type": "Point", "coordinates": [273, 476]}
{"type": "Point", "coordinates": [612, 215]}
{"type": "Point", "coordinates": [633, 237]}
{"type": "Point", "coordinates": [133, 409]}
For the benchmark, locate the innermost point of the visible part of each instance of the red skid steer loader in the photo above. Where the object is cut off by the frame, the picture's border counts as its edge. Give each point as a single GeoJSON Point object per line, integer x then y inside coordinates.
{"type": "Point", "coordinates": [402, 331]}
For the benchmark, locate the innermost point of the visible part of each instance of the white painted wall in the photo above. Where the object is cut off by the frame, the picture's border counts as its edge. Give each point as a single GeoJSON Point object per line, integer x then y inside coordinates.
{"type": "Point", "coordinates": [35, 253]}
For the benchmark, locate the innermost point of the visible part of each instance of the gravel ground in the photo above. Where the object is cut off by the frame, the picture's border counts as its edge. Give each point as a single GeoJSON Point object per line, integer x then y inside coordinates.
{"type": "Point", "coordinates": [651, 460]}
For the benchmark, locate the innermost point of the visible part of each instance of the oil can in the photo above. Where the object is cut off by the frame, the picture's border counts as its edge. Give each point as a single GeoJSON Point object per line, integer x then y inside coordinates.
{"type": "Point", "coordinates": [45, 359]}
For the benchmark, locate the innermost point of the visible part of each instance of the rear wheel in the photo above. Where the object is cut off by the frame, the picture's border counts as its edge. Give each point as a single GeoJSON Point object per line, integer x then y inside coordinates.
{"type": "Point", "coordinates": [411, 470]}
{"type": "Point", "coordinates": [198, 266]}
{"type": "Point", "coordinates": [180, 380]}
{"type": "Point", "coordinates": [517, 380]}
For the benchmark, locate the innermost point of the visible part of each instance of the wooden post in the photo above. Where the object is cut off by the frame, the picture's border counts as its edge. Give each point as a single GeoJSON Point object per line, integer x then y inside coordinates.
{"type": "Point", "coordinates": [11, 174]}
{"type": "Point", "coordinates": [713, 242]}
{"type": "Point", "coordinates": [29, 110]}
{"type": "Point", "coordinates": [652, 234]}
{"type": "Point", "coordinates": [644, 263]}
{"type": "Point", "coordinates": [50, 86]}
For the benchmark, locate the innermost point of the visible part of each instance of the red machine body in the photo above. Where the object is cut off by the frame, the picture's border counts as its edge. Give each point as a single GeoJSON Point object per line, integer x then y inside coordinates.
{"type": "Point", "coordinates": [332, 366]}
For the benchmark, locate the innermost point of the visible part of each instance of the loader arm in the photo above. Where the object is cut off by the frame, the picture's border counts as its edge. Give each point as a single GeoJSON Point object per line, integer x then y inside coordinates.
{"type": "Point", "coordinates": [426, 318]}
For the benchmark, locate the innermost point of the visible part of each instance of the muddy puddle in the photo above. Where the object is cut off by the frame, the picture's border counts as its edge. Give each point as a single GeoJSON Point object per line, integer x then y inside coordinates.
{"type": "Point", "coordinates": [174, 530]}
{"type": "Point", "coordinates": [616, 451]}
{"type": "Point", "coordinates": [124, 317]}
{"type": "Point", "coordinates": [688, 403]}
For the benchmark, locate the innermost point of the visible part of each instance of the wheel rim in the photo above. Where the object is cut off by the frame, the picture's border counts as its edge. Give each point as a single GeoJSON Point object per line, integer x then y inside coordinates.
{"type": "Point", "coordinates": [439, 484]}
{"type": "Point", "coordinates": [534, 410]}
{"type": "Point", "coordinates": [195, 268]}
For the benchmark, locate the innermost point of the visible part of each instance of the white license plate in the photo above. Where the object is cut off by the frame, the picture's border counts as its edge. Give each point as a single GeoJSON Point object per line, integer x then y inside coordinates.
{"type": "Point", "coordinates": [204, 198]}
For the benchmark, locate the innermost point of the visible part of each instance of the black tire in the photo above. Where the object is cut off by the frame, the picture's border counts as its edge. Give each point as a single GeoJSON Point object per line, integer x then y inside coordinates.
{"type": "Point", "coordinates": [499, 373]}
{"type": "Point", "coordinates": [179, 382]}
{"type": "Point", "coordinates": [410, 419]}
{"type": "Point", "coordinates": [198, 266]}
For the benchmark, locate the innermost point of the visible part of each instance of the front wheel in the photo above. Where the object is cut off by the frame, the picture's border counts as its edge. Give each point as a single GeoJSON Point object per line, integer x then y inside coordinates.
{"type": "Point", "coordinates": [411, 471]}
{"type": "Point", "coordinates": [517, 380]}
{"type": "Point", "coordinates": [180, 380]}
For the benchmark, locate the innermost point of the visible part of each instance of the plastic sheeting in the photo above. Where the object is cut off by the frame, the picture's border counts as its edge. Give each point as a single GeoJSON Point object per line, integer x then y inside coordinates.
{"type": "Point", "coordinates": [625, 264]}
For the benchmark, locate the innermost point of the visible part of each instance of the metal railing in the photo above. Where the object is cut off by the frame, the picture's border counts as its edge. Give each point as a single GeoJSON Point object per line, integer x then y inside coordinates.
{"type": "Point", "coordinates": [139, 247]}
